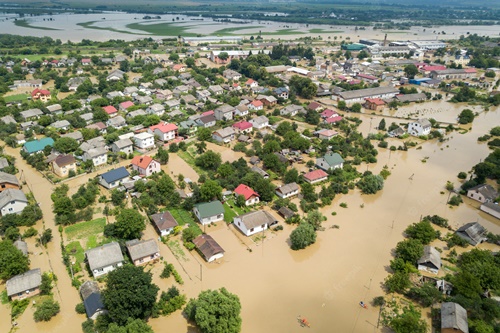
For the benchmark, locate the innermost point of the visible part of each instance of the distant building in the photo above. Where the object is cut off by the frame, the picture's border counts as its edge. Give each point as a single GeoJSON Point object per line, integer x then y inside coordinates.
{"type": "Point", "coordinates": [420, 127]}
{"type": "Point", "coordinates": [12, 201]}
{"type": "Point", "coordinates": [315, 176]}
{"type": "Point", "coordinates": [359, 96]}
{"type": "Point", "coordinates": [37, 146]}
{"type": "Point", "coordinates": [8, 181]}
{"type": "Point", "coordinates": [491, 208]}
{"type": "Point", "coordinates": [62, 165]}
{"type": "Point", "coordinates": [145, 165]}
{"type": "Point", "coordinates": [287, 190]}
{"type": "Point", "coordinates": [251, 197]}
{"type": "Point", "coordinates": [330, 161]}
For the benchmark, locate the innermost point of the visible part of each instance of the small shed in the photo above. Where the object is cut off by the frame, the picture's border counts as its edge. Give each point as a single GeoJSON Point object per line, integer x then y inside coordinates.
{"type": "Point", "coordinates": [430, 261]}
{"type": "Point", "coordinates": [472, 232]}
{"type": "Point", "coordinates": [208, 247]}
{"type": "Point", "coordinates": [92, 301]}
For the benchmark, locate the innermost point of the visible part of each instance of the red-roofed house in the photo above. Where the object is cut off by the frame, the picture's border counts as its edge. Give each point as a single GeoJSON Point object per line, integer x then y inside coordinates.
{"type": "Point", "coordinates": [376, 104]}
{"type": "Point", "coordinates": [330, 116]}
{"type": "Point", "coordinates": [251, 197]}
{"type": "Point", "coordinates": [243, 126]}
{"type": "Point", "coordinates": [207, 113]}
{"type": "Point", "coordinates": [315, 176]}
{"type": "Point", "coordinates": [179, 67]}
{"type": "Point", "coordinates": [251, 83]}
{"type": "Point", "coordinates": [145, 165]}
{"type": "Point", "coordinates": [164, 131]}
{"type": "Point", "coordinates": [367, 78]}
{"type": "Point", "coordinates": [86, 61]}
{"type": "Point", "coordinates": [426, 69]}
{"type": "Point", "coordinates": [256, 105]}
{"type": "Point", "coordinates": [333, 119]}
{"type": "Point", "coordinates": [41, 94]}
{"type": "Point", "coordinates": [125, 105]}
{"type": "Point", "coordinates": [110, 110]}
{"type": "Point", "coordinates": [327, 134]}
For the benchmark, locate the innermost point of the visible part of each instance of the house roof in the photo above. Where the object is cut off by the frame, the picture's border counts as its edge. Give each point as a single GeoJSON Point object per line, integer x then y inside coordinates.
{"type": "Point", "coordinates": [286, 212]}
{"type": "Point", "coordinates": [164, 220]}
{"type": "Point", "coordinates": [486, 190]}
{"type": "Point", "coordinates": [123, 143]}
{"type": "Point", "coordinates": [363, 93]}
{"type": "Point", "coordinates": [333, 159]}
{"type": "Point", "coordinates": [94, 152]}
{"type": "Point", "coordinates": [20, 283]}
{"type": "Point", "coordinates": [115, 174]}
{"type": "Point", "coordinates": [376, 101]}
{"type": "Point", "coordinates": [143, 135]}
{"type": "Point", "coordinates": [472, 232]}
{"type": "Point", "coordinates": [207, 209]}
{"type": "Point", "coordinates": [110, 109]}
{"type": "Point", "coordinates": [41, 92]}
{"type": "Point", "coordinates": [315, 175]}
{"type": "Point", "coordinates": [126, 104]}
{"type": "Point", "coordinates": [225, 132]}
{"type": "Point", "coordinates": [31, 113]}
{"type": "Point", "coordinates": [288, 188]}
{"type": "Point", "coordinates": [93, 303]}
{"type": "Point", "coordinates": [256, 103]}
{"type": "Point", "coordinates": [313, 106]}
{"type": "Point", "coordinates": [245, 191]}
{"type": "Point", "coordinates": [105, 255]}
{"type": "Point", "coordinates": [164, 128]}
{"type": "Point", "coordinates": [38, 145]}
{"type": "Point", "coordinates": [63, 160]}
{"type": "Point", "coordinates": [207, 245]}
{"type": "Point", "coordinates": [3, 163]}
{"type": "Point", "coordinates": [243, 125]}
{"type": "Point", "coordinates": [21, 246]}
{"type": "Point", "coordinates": [142, 161]}
{"type": "Point", "coordinates": [454, 316]}
{"type": "Point", "coordinates": [257, 218]}
{"type": "Point", "coordinates": [207, 119]}
{"type": "Point", "coordinates": [88, 288]}
{"type": "Point", "coordinates": [8, 178]}
{"type": "Point", "coordinates": [431, 255]}
{"type": "Point", "coordinates": [328, 133]}
{"type": "Point", "coordinates": [138, 249]}
{"type": "Point", "coordinates": [11, 194]}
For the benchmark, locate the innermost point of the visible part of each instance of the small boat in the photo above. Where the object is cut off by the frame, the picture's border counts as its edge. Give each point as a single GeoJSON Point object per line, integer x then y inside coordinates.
{"type": "Point", "coordinates": [363, 305]}
{"type": "Point", "coordinates": [303, 322]}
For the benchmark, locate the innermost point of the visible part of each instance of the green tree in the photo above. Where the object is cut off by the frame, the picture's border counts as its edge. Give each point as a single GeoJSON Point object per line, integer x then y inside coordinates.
{"type": "Point", "coordinates": [210, 190]}
{"type": "Point", "coordinates": [209, 160]}
{"type": "Point", "coordinates": [341, 105]}
{"type": "Point", "coordinates": [409, 250]}
{"type": "Point", "coordinates": [381, 125]}
{"type": "Point", "coordinates": [162, 155]}
{"type": "Point", "coordinates": [302, 236]}
{"type": "Point", "coordinates": [223, 56]}
{"type": "Point", "coordinates": [466, 116]}
{"type": "Point", "coordinates": [422, 231]}
{"type": "Point", "coordinates": [426, 295]}
{"type": "Point", "coordinates": [66, 145]}
{"type": "Point", "coordinates": [45, 310]}
{"type": "Point", "coordinates": [315, 218]}
{"type": "Point", "coordinates": [397, 282]}
{"type": "Point", "coordinates": [132, 326]}
{"type": "Point", "coordinates": [117, 197]}
{"type": "Point", "coordinates": [291, 176]}
{"type": "Point", "coordinates": [410, 71]}
{"type": "Point", "coordinates": [312, 117]}
{"type": "Point", "coordinates": [370, 183]}
{"type": "Point", "coordinates": [240, 201]}
{"type": "Point", "coordinates": [129, 293]}
{"type": "Point", "coordinates": [215, 311]}
{"type": "Point", "coordinates": [409, 320]}
{"type": "Point", "coordinates": [129, 224]}
{"type": "Point", "coordinates": [356, 107]}
{"type": "Point", "coordinates": [12, 261]}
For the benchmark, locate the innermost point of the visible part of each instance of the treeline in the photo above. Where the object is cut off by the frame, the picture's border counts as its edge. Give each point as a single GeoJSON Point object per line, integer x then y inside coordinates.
{"type": "Point", "coordinates": [285, 50]}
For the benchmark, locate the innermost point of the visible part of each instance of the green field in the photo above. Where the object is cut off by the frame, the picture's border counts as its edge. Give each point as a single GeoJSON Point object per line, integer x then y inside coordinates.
{"type": "Point", "coordinates": [25, 24]}
{"type": "Point", "coordinates": [280, 32]}
{"type": "Point", "coordinates": [325, 31]}
{"type": "Point", "coordinates": [229, 31]}
{"type": "Point", "coordinates": [85, 230]}
{"type": "Point", "coordinates": [90, 25]}
{"type": "Point", "coordinates": [163, 29]}
{"type": "Point", "coordinates": [15, 98]}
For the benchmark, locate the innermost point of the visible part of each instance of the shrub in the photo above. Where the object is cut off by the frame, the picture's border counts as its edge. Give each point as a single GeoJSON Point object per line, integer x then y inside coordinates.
{"type": "Point", "coordinates": [30, 232]}
{"type": "Point", "coordinates": [46, 310]}
{"type": "Point", "coordinates": [167, 271]}
{"type": "Point", "coordinates": [455, 200]}
{"type": "Point", "coordinates": [80, 308]}
{"type": "Point", "coordinates": [462, 175]}
{"type": "Point", "coordinates": [303, 236]}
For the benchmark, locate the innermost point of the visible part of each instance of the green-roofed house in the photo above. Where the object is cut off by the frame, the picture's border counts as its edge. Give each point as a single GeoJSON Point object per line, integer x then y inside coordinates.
{"type": "Point", "coordinates": [353, 47]}
{"type": "Point", "coordinates": [37, 146]}
{"type": "Point", "coordinates": [330, 161]}
{"type": "Point", "coordinates": [209, 212]}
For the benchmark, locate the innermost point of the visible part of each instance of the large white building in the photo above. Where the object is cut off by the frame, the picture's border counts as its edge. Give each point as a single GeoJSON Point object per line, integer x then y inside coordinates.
{"type": "Point", "coordinates": [428, 44]}
{"type": "Point", "coordinates": [359, 96]}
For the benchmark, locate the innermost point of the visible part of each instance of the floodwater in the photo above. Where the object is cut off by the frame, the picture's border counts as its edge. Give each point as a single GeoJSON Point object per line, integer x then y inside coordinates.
{"type": "Point", "coordinates": [113, 25]}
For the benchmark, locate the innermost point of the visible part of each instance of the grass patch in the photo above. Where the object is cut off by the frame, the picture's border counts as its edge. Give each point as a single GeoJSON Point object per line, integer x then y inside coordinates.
{"type": "Point", "coordinates": [25, 24]}
{"type": "Point", "coordinates": [90, 25]}
{"type": "Point", "coordinates": [163, 29]}
{"type": "Point", "coordinates": [92, 242]}
{"type": "Point", "coordinates": [182, 216]}
{"type": "Point", "coordinates": [177, 250]}
{"type": "Point", "coordinates": [236, 209]}
{"type": "Point", "coordinates": [4, 298]}
{"type": "Point", "coordinates": [229, 31]}
{"type": "Point", "coordinates": [189, 159]}
{"type": "Point", "coordinates": [85, 230]}
{"type": "Point", "coordinates": [229, 214]}
{"type": "Point", "coordinates": [324, 31]}
{"type": "Point", "coordinates": [15, 98]}
{"type": "Point", "coordinates": [75, 249]}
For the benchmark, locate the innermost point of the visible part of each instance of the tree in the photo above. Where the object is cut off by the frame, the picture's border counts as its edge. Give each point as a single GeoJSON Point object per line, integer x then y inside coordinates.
{"type": "Point", "coordinates": [303, 236]}
{"type": "Point", "coordinates": [129, 224]}
{"type": "Point", "coordinates": [209, 160]}
{"type": "Point", "coordinates": [133, 326]}
{"type": "Point", "coordinates": [381, 125]}
{"type": "Point", "coordinates": [215, 311]}
{"type": "Point", "coordinates": [204, 134]}
{"type": "Point", "coordinates": [422, 231]}
{"type": "Point", "coordinates": [12, 261]}
{"type": "Point", "coordinates": [315, 218]}
{"type": "Point", "coordinates": [162, 155]}
{"type": "Point", "coordinates": [240, 201]}
{"type": "Point", "coordinates": [173, 56]}
{"type": "Point", "coordinates": [426, 295]}
{"type": "Point", "coordinates": [466, 116]}
{"type": "Point", "coordinates": [410, 71]}
{"type": "Point", "coordinates": [66, 145]}
{"type": "Point", "coordinates": [46, 236]}
{"type": "Point", "coordinates": [397, 282]}
{"type": "Point", "coordinates": [291, 176]}
{"type": "Point", "coordinates": [356, 107]}
{"type": "Point", "coordinates": [223, 56]}
{"type": "Point", "coordinates": [409, 320]}
{"type": "Point", "coordinates": [190, 62]}
{"type": "Point", "coordinates": [341, 105]}
{"type": "Point", "coordinates": [312, 117]}
{"type": "Point", "coordinates": [117, 197]}
{"type": "Point", "coordinates": [47, 309]}
{"type": "Point", "coordinates": [409, 250]}
{"type": "Point", "coordinates": [210, 190]}
{"type": "Point", "coordinates": [370, 183]}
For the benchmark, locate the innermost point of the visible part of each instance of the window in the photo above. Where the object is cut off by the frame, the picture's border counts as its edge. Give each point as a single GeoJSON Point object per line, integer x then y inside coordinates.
{"type": "Point", "coordinates": [251, 230]}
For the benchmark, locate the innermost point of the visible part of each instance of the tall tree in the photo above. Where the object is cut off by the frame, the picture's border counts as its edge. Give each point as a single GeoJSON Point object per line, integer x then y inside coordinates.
{"type": "Point", "coordinates": [12, 261]}
{"type": "Point", "coordinates": [129, 224]}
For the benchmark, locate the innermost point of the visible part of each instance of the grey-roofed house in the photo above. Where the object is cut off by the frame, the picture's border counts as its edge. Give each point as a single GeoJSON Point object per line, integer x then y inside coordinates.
{"type": "Point", "coordinates": [55, 109]}
{"type": "Point", "coordinates": [164, 223]}
{"type": "Point", "coordinates": [143, 251]}
{"type": "Point", "coordinates": [292, 110]}
{"type": "Point", "coordinates": [224, 112]}
{"type": "Point", "coordinates": [92, 300]}
{"type": "Point", "coordinates": [113, 178]}
{"type": "Point", "coordinates": [12, 201]}
{"type": "Point", "coordinates": [430, 261]}
{"type": "Point", "coordinates": [259, 122]}
{"type": "Point", "coordinates": [206, 121]}
{"type": "Point", "coordinates": [8, 181]}
{"type": "Point", "coordinates": [254, 222]}
{"type": "Point", "coordinates": [224, 135]}
{"type": "Point", "coordinates": [408, 98]}
{"type": "Point", "coordinates": [125, 146]}
{"type": "Point", "coordinates": [330, 161]}
{"type": "Point", "coordinates": [8, 120]}
{"type": "Point", "coordinates": [261, 172]}
{"type": "Point", "coordinates": [88, 117]}
{"type": "Point", "coordinates": [419, 127]}
{"type": "Point", "coordinates": [21, 246]}
{"type": "Point", "coordinates": [472, 232]}
{"type": "Point", "coordinates": [482, 193]}
{"type": "Point", "coordinates": [104, 259]}
{"type": "Point", "coordinates": [139, 112]}
{"type": "Point", "coordinates": [62, 125]}
{"type": "Point", "coordinates": [77, 135]}
{"type": "Point", "coordinates": [286, 212]}
{"type": "Point", "coordinates": [491, 208]}
{"type": "Point", "coordinates": [98, 155]}
{"type": "Point", "coordinates": [31, 114]}
{"type": "Point", "coordinates": [353, 96]}
{"type": "Point", "coordinates": [24, 285]}
{"type": "Point", "coordinates": [209, 212]}
{"type": "Point", "coordinates": [208, 247]}
{"type": "Point", "coordinates": [287, 190]}
{"type": "Point", "coordinates": [3, 163]}
{"type": "Point", "coordinates": [116, 122]}
{"type": "Point", "coordinates": [453, 318]}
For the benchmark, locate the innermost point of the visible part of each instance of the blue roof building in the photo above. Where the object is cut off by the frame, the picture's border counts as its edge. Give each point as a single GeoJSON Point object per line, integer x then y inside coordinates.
{"type": "Point", "coordinates": [36, 146]}
{"type": "Point", "coordinates": [113, 178]}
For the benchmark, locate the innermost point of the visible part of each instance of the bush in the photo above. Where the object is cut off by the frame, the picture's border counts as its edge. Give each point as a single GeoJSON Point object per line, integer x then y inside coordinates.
{"type": "Point", "coordinates": [80, 308]}
{"type": "Point", "coordinates": [437, 220]}
{"type": "Point", "coordinates": [454, 239]}
{"type": "Point", "coordinates": [30, 232]}
{"type": "Point", "coordinates": [167, 271]}
{"type": "Point", "coordinates": [455, 200]}
{"type": "Point", "coordinates": [46, 310]}
{"type": "Point", "coordinates": [303, 236]}
{"type": "Point", "coordinates": [462, 175]}
{"type": "Point", "coordinates": [378, 301]}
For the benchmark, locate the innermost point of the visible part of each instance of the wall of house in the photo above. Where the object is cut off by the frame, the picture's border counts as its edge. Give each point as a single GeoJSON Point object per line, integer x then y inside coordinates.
{"type": "Point", "coordinates": [490, 211]}
{"type": "Point", "coordinates": [63, 171]}
{"type": "Point", "coordinates": [5, 186]}
{"type": "Point", "coordinates": [13, 207]}
{"type": "Point", "coordinates": [208, 220]}
{"type": "Point", "coordinates": [252, 201]}
{"type": "Point", "coordinates": [99, 160]}
{"type": "Point", "coordinates": [165, 232]}
{"type": "Point", "coordinates": [422, 267]}
{"type": "Point", "coordinates": [25, 294]}
{"type": "Point", "coordinates": [145, 260]}
{"type": "Point", "coordinates": [476, 196]}
{"type": "Point", "coordinates": [105, 270]}
{"type": "Point", "coordinates": [287, 195]}
{"type": "Point", "coordinates": [215, 257]}
{"type": "Point", "coordinates": [240, 225]}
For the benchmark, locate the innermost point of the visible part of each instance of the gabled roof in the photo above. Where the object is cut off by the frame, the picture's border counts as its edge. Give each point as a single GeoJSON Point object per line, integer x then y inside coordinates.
{"type": "Point", "coordinates": [454, 316]}
{"type": "Point", "coordinates": [8, 178]}
{"type": "Point", "coordinates": [486, 190]}
{"type": "Point", "coordinates": [123, 143]}
{"type": "Point", "coordinates": [207, 245]}
{"type": "Point", "coordinates": [257, 218]}
{"type": "Point", "coordinates": [115, 174]}
{"type": "Point", "coordinates": [142, 161]}
{"type": "Point", "coordinates": [472, 232]}
{"type": "Point", "coordinates": [103, 256]}
{"type": "Point", "coordinates": [63, 160]}
{"type": "Point", "coordinates": [225, 132]}
{"type": "Point", "coordinates": [138, 249]}
{"type": "Point", "coordinates": [164, 220]}
{"type": "Point", "coordinates": [93, 303]}
{"type": "Point", "coordinates": [164, 128]}
{"type": "Point", "coordinates": [431, 255]}
{"type": "Point", "coordinates": [245, 191]}
{"type": "Point", "coordinates": [333, 159]}
{"type": "Point", "coordinates": [110, 109]}
{"type": "Point", "coordinates": [126, 104]}
{"type": "Point", "coordinates": [288, 188]}
{"type": "Point", "coordinates": [10, 195]}
{"type": "Point", "coordinates": [208, 209]}
{"type": "Point", "coordinates": [88, 288]}
{"type": "Point", "coordinates": [314, 175]}
{"type": "Point", "coordinates": [243, 125]}
{"type": "Point", "coordinates": [20, 283]}
{"type": "Point", "coordinates": [286, 212]}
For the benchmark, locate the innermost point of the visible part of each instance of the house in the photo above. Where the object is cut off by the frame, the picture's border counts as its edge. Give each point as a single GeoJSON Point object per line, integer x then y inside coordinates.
{"type": "Point", "coordinates": [37, 146]}
{"type": "Point", "coordinates": [491, 208]}
{"type": "Point", "coordinates": [208, 247]}
{"type": "Point", "coordinates": [267, 100]}
{"type": "Point", "coordinates": [286, 212]}
{"type": "Point", "coordinates": [116, 122]}
{"type": "Point", "coordinates": [483, 193]}
{"type": "Point", "coordinates": [203, 95]}
{"type": "Point", "coordinates": [76, 135]}
{"type": "Point", "coordinates": [62, 165]}
{"type": "Point", "coordinates": [144, 140]}
{"type": "Point", "coordinates": [419, 127]}
{"type": "Point", "coordinates": [315, 176]}
{"type": "Point", "coordinates": [145, 165]}
{"type": "Point", "coordinates": [124, 146]}
{"type": "Point", "coordinates": [452, 73]}
{"type": "Point", "coordinates": [327, 134]}
{"type": "Point", "coordinates": [330, 161]}
{"type": "Point", "coordinates": [206, 121]}
{"type": "Point", "coordinates": [260, 122]}
{"type": "Point", "coordinates": [281, 92]}
{"type": "Point", "coordinates": [104, 259]}
{"type": "Point", "coordinates": [115, 75]}
{"type": "Point", "coordinates": [224, 135]}
{"type": "Point", "coordinates": [453, 318]}
{"type": "Point", "coordinates": [113, 178]}
{"type": "Point", "coordinates": [61, 125]}
{"type": "Point", "coordinates": [164, 223]}
{"type": "Point", "coordinates": [409, 98]}
{"type": "Point", "coordinates": [216, 90]}
{"type": "Point", "coordinates": [55, 109]}
{"type": "Point", "coordinates": [430, 261]}
{"type": "Point", "coordinates": [24, 285]}
{"type": "Point", "coordinates": [261, 172]}
{"type": "Point", "coordinates": [251, 197]}
{"type": "Point", "coordinates": [110, 110]}
{"type": "Point", "coordinates": [243, 126]}
{"type": "Point", "coordinates": [156, 109]}
{"type": "Point", "coordinates": [287, 190]}
{"type": "Point", "coordinates": [472, 232]}
{"type": "Point", "coordinates": [12, 201]}
{"type": "Point", "coordinates": [397, 132]}
{"type": "Point", "coordinates": [164, 131]}
{"type": "Point", "coordinates": [224, 112]}
{"type": "Point", "coordinates": [143, 251]}
{"type": "Point", "coordinates": [98, 156]}
{"type": "Point", "coordinates": [209, 212]}
{"type": "Point", "coordinates": [254, 222]}
{"type": "Point", "coordinates": [189, 125]}
{"type": "Point", "coordinates": [92, 300]}
{"type": "Point", "coordinates": [241, 110]}
{"type": "Point", "coordinates": [42, 95]}
{"type": "Point", "coordinates": [367, 78]}
{"type": "Point", "coordinates": [359, 96]}
{"type": "Point", "coordinates": [139, 112]}
{"type": "Point", "coordinates": [31, 114]}
{"type": "Point", "coordinates": [3, 163]}
{"type": "Point", "coordinates": [86, 61]}
{"type": "Point", "coordinates": [8, 181]}
{"type": "Point", "coordinates": [375, 104]}
{"type": "Point", "coordinates": [124, 106]}
{"type": "Point", "coordinates": [21, 246]}
{"type": "Point", "coordinates": [292, 110]}
{"type": "Point", "coordinates": [231, 75]}
{"type": "Point", "coordinates": [251, 83]}
{"type": "Point", "coordinates": [315, 106]}
{"type": "Point", "coordinates": [256, 105]}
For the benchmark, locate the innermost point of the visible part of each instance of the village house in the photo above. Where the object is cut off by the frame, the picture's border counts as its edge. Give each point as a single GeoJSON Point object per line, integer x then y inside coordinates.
{"type": "Point", "coordinates": [286, 213]}
{"type": "Point", "coordinates": [62, 165]}
{"type": "Point", "coordinates": [86, 61]}
{"type": "Point", "coordinates": [41, 95]}
{"type": "Point", "coordinates": [8, 181]}
{"type": "Point", "coordinates": [267, 101]}
{"type": "Point", "coordinates": [12, 201]}
{"type": "Point", "coordinates": [110, 110]}
{"type": "Point", "coordinates": [375, 104]}
{"type": "Point", "coordinates": [330, 161]}
{"type": "Point", "coordinates": [231, 75]}
{"type": "Point", "coordinates": [31, 114]}
{"type": "Point", "coordinates": [138, 112]}
{"type": "Point", "coordinates": [115, 75]}
{"type": "Point", "coordinates": [156, 109]}
{"type": "Point", "coordinates": [117, 122]}
{"type": "Point", "coordinates": [123, 146]}
{"type": "Point", "coordinates": [243, 126]}
{"type": "Point", "coordinates": [224, 135]}
{"type": "Point", "coordinates": [482, 193]}
{"type": "Point", "coordinates": [98, 156]}
{"type": "Point", "coordinates": [113, 178]}
{"type": "Point", "coordinates": [24, 285]}
{"type": "Point", "coordinates": [419, 127]}
{"type": "Point", "coordinates": [359, 96]}
{"type": "Point", "coordinates": [430, 261]}
{"type": "Point", "coordinates": [224, 112]}
{"type": "Point", "coordinates": [261, 172]}
{"type": "Point", "coordinates": [255, 105]}
{"type": "Point", "coordinates": [36, 146]}
{"type": "Point", "coordinates": [61, 125]}
{"type": "Point", "coordinates": [287, 190]}
{"type": "Point", "coordinates": [209, 212]}
{"type": "Point", "coordinates": [104, 259]}
{"type": "Point", "coordinates": [453, 318]}
{"type": "Point", "coordinates": [208, 247]}
{"type": "Point", "coordinates": [216, 90]}
{"type": "Point", "coordinates": [145, 165]}
{"type": "Point", "coordinates": [315, 106]}
{"type": "Point", "coordinates": [260, 122]}
{"type": "Point", "coordinates": [92, 300]}
{"type": "Point", "coordinates": [251, 197]}
{"type": "Point", "coordinates": [473, 232]}
{"type": "Point", "coordinates": [327, 134]}
{"type": "Point", "coordinates": [21, 246]}
{"type": "Point", "coordinates": [164, 223]}
{"type": "Point", "coordinates": [292, 110]}
{"type": "Point", "coordinates": [144, 140]}
{"type": "Point", "coordinates": [367, 78]}
{"type": "Point", "coordinates": [206, 121]}
{"type": "Point", "coordinates": [143, 99]}
{"type": "Point", "coordinates": [164, 131]}
{"type": "Point", "coordinates": [203, 95]}
{"type": "Point", "coordinates": [241, 110]}
{"type": "Point", "coordinates": [281, 92]}
{"type": "Point", "coordinates": [55, 109]}
{"type": "Point", "coordinates": [124, 106]}
{"type": "Point", "coordinates": [114, 94]}
{"type": "Point", "coordinates": [254, 222]}
{"type": "Point", "coordinates": [143, 251]}
{"type": "Point", "coordinates": [315, 176]}
{"type": "Point", "coordinates": [251, 83]}
{"type": "Point", "coordinates": [330, 116]}
{"type": "Point", "coordinates": [491, 208]}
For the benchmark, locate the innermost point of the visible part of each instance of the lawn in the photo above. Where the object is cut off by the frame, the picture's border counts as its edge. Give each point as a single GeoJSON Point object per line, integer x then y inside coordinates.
{"type": "Point", "coordinates": [229, 31]}
{"type": "Point", "coordinates": [25, 24]}
{"type": "Point", "coordinates": [90, 25]}
{"type": "Point", "coordinates": [163, 29]}
{"type": "Point", "coordinates": [189, 159]}
{"type": "Point", "coordinates": [86, 230]}
{"type": "Point", "coordinates": [325, 31]}
{"type": "Point", "coordinates": [75, 249]}
{"type": "Point", "coordinates": [229, 214]}
{"type": "Point", "coordinates": [15, 98]}
{"type": "Point", "coordinates": [236, 209]}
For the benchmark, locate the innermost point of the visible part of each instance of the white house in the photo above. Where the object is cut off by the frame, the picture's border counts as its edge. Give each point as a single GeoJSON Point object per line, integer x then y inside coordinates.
{"type": "Point", "coordinates": [145, 165]}
{"type": "Point", "coordinates": [104, 259]}
{"type": "Point", "coordinates": [260, 122]}
{"type": "Point", "coordinates": [156, 109]}
{"type": "Point", "coordinates": [113, 178]}
{"type": "Point", "coordinates": [224, 112]}
{"type": "Point", "coordinates": [164, 223]}
{"type": "Point", "coordinates": [209, 212]}
{"type": "Point", "coordinates": [144, 140]}
{"type": "Point", "coordinates": [254, 222]}
{"type": "Point", "coordinates": [208, 247]}
{"type": "Point", "coordinates": [98, 156]}
{"type": "Point", "coordinates": [419, 127]}
{"type": "Point", "coordinates": [288, 190]}
{"type": "Point", "coordinates": [124, 145]}
{"type": "Point", "coordinates": [251, 197]}
{"type": "Point", "coordinates": [224, 135]}
{"type": "Point", "coordinates": [12, 201]}
{"type": "Point", "coordinates": [164, 131]}
{"type": "Point", "coordinates": [330, 161]}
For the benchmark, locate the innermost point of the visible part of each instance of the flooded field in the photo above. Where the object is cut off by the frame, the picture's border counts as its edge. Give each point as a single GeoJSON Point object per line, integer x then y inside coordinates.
{"type": "Point", "coordinates": [116, 25]}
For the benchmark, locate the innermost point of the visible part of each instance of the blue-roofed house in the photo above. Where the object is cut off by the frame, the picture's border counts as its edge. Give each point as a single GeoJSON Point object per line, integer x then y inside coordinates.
{"type": "Point", "coordinates": [92, 301]}
{"type": "Point", "coordinates": [36, 146]}
{"type": "Point", "coordinates": [113, 178]}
